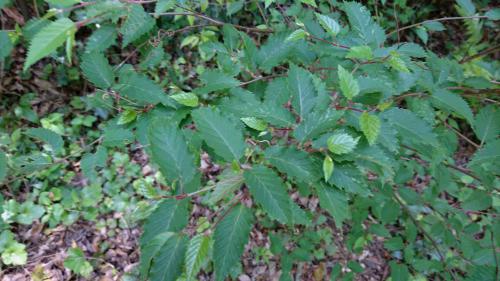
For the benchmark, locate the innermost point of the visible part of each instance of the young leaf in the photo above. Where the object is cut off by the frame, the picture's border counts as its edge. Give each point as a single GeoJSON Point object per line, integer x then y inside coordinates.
{"type": "Point", "coordinates": [302, 88]}
{"type": "Point", "coordinates": [342, 143]}
{"type": "Point", "coordinates": [327, 167]}
{"type": "Point", "coordinates": [96, 69]}
{"type": "Point", "coordinates": [254, 123]}
{"type": "Point", "coordinates": [197, 251]}
{"type": "Point", "coordinates": [397, 63]}
{"type": "Point", "coordinates": [187, 99]}
{"type": "Point", "coordinates": [330, 25]}
{"type": "Point", "coordinates": [137, 24]}
{"type": "Point", "coordinates": [334, 202]}
{"type": "Point", "coordinates": [220, 134]}
{"type": "Point", "coordinates": [231, 235]}
{"type": "Point", "coordinates": [169, 150]}
{"type": "Point", "coordinates": [48, 39]}
{"type": "Point", "coordinates": [269, 191]}
{"type": "Point", "coordinates": [170, 215]}
{"type": "Point", "coordinates": [348, 85]}
{"type": "Point", "coordinates": [296, 35]}
{"type": "Point", "coordinates": [167, 265]}
{"type": "Point", "coordinates": [77, 263]}
{"type": "Point", "coordinates": [370, 126]}
{"type": "Point", "coordinates": [360, 52]}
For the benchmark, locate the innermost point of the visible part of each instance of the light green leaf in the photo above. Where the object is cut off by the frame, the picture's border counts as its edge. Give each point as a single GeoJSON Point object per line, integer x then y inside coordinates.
{"type": "Point", "coordinates": [296, 35]}
{"type": "Point", "coordinates": [228, 182]}
{"type": "Point", "coordinates": [187, 99]}
{"type": "Point", "coordinates": [127, 116]}
{"type": "Point", "coordinates": [330, 25]}
{"type": "Point", "coordinates": [254, 123]}
{"type": "Point", "coordinates": [294, 163]}
{"type": "Point", "coordinates": [168, 264]}
{"type": "Point", "coordinates": [196, 253]}
{"type": "Point", "coordinates": [397, 63]}
{"type": "Point", "coordinates": [445, 99]}
{"type": "Point", "coordinates": [220, 133]}
{"type": "Point", "coordinates": [487, 123]}
{"type": "Point", "coordinates": [231, 235]}
{"type": "Point", "coordinates": [96, 69]}
{"type": "Point", "coordinates": [493, 14]}
{"type": "Point", "coordinates": [138, 23]}
{"type": "Point", "coordinates": [170, 151]}
{"type": "Point", "coordinates": [334, 202]}
{"type": "Point", "coordinates": [348, 85]}
{"type": "Point", "coordinates": [48, 39]}
{"type": "Point", "coordinates": [15, 254]}
{"type": "Point", "coordinates": [269, 191]}
{"type": "Point", "coordinates": [170, 215]}
{"type": "Point", "coordinates": [327, 167]}
{"type": "Point", "coordinates": [302, 88]}
{"type": "Point", "coordinates": [77, 263]}
{"type": "Point", "coordinates": [370, 126]}
{"type": "Point", "coordinates": [342, 143]}
{"type": "Point", "coordinates": [48, 136]}
{"type": "Point", "coordinates": [310, 2]}
{"type": "Point", "coordinates": [360, 52]}
{"type": "Point", "coordinates": [216, 80]}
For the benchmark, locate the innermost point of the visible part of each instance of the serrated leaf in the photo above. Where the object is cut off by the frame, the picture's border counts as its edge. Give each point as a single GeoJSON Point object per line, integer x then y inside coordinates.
{"type": "Point", "coordinates": [397, 63]}
{"type": "Point", "coordinates": [410, 126]}
{"type": "Point", "coordinates": [170, 215]}
{"type": "Point", "coordinates": [48, 39]}
{"type": "Point", "coordinates": [77, 263]}
{"type": "Point", "coordinates": [101, 39]}
{"type": "Point", "coordinates": [269, 191]}
{"type": "Point", "coordinates": [360, 52]}
{"type": "Point", "coordinates": [296, 35]}
{"type": "Point", "coordinates": [6, 44]}
{"type": "Point", "coordinates": [170, 151]}
{"type": "Point", "coordinates": [327, 167]}
{"type": "Point", "coordinates": [138, 23]}
{"type": "Point", "coordinates": [196, 253]}
{"type": "Point", "coordinates": [139, 88]}
{"type": "Point", "coordinates": [254, 123]}
{"type": "Point", "coordinates": [362, 23]}
{"type": "Point", "coordinates": [302, 89]}
{"type": "Point", "coordinates": [168, 264]}
{"type": "Point", "coordinates": [187, 99]}
{"type": "Point", "coordinates": [399, 272]}
{"type": "Point", "coordinates": [3, 166]}
{"type": "Point", "coordinates": [149, 250]}
{"type": "Point", "coordinates": [487, 123]}
{"type": "Point", "coordinates": [334, 202]}
{"type": "Point", "coordinates": [231, 235]}
{"type": "Point", "coordinates": [228, 182]}
{"type": "Point", "coordinates": [295, 163]}
{"type": "Point", "coordinates": [316, 123]}
{"type": "Point", "coordinates": [216, 80]}
{"type": "Point", "coordinates": [370, 126]}
{"type": "Point", "coordinates": [490, 153]}
{"type": "Point", "coordinates": [330, 25]}
{"type": "Point", "coordinates": [164, 5]}
{"type": "Point", "coordinates": [127, 116]}
{"type": "Point", "coordinates": [342, 143]}
{"type": "Point", "coordinates": [220, 133]}
{"type": "Point", "coordinates": [348, 85]}
{"type": "Point", "coordinates": [274, 51]}
{"type": "Point", "coordinates": [445, 99]}
{"type": "Point", "coordinates": [96, 69]}
{"type": "Point", "coordinates": [48, 136]}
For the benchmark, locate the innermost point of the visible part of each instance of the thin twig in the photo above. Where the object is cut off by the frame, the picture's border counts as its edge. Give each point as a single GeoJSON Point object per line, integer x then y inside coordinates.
{"type": "Point", "coordinates": [461, 135]}
{"type": "Point", "coordinates": [261, 78]}
{"type": "Point", "coordinates": [480, 54]}
{"type": "Point", "coordinates": [434, 20]}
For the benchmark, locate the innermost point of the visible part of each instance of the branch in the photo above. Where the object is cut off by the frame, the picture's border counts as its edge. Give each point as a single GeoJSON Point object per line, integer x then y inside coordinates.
{"type": "Point", "coordinates": [434, 20]}
{"type": "Point", "coordinates": [480, 54]}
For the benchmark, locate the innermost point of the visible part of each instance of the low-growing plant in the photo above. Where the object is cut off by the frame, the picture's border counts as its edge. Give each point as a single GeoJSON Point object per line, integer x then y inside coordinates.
{"type": "Point", "coordinates": [291, 100]}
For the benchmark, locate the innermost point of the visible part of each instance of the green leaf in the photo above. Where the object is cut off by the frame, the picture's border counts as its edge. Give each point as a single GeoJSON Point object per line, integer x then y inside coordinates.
{"type": "Point", "coordinates": [316, 123]}
{"type": "Point", "coordinates": [6, 44]}
{"type": "Point", "coordinates": [399, 272]}
{"type": "Point", "coordinates": [361, 22]}
{"type": "Point", "coordinates": [453, 102]}
{"type": "Point", "coordinates": [48, 136]}
{"type": "Point", "coordinates": [487, 124]}
{"type": "Point", "coordinates": [228, 182]}
{"type": "Point", "coordinates": [269, 191]}
{"type": "Point", "coordinates": [477, 201]}
{"type": "Point", "coordinates": [302, 89]}
{"type": "Point", "coordinates": [127, 116]}
{"type": "Point", "coordinates": [294, 163]}
{"type": "Point", "coordinates": [77, 263]}
{"type": "Point", "coordinates": [410, 126]}
{"type": "Point", "coordinates": [102, 38]}
{"type": "Point", "coordinates": [296, 35]}
{"type": "Point", "coordinates": [342, 143]}
{"type": "Point", "coordinates": [254, 123]}
{"type": "Point", "coordinates": [48, 39]}
{"type": "Point", "coordinates": [187, 99]}
{"type": "Point", "coordinates": [170, 151]}
{"type": "Point", "coordinates": [360, 52]}
{"type": "Point", "coordinates": [15, 254]}
{"type": "Point", "coordinates": [149, 250]}
{"type": "Point", "coordinates": [170, 215]}
{"type": "Point", "coordinates": [96, 69]}
{"type": "Point", "coordinates": [3, 166]}
{"type": "Point", "coordinates": [327, 167]}
{"type": "Point", "coordinates": [164, 5]}
{"type": "Point", "coordinates": [231, 235]}
{"type": "Point", "coordinates": [168, 264]}
{"type": "Point", "coordinates": [397, 63]}
{"type": "Point", "coordinates": [348, 85]}
{"type": "Point", "coordinates": [138, 23]}
{"type": "Point", "coordinates": [220, 133]}
{"type": "Point", "coordinates": [493, 14]}
{"type": "Point", "coordinates": [334, 202]}
{"type": "Point", "coordinates": [490, 153]}
{"type": "Point", "coordinates": [196, 253]}
{"type": "Point", "coordinates": [138, 87]}
{"type": "Point", "coordinates": [216, 80]}
{"type": "Point", "coordinates": [330, 25]}
{"type": "Point", "coordinates": [370, 126]}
